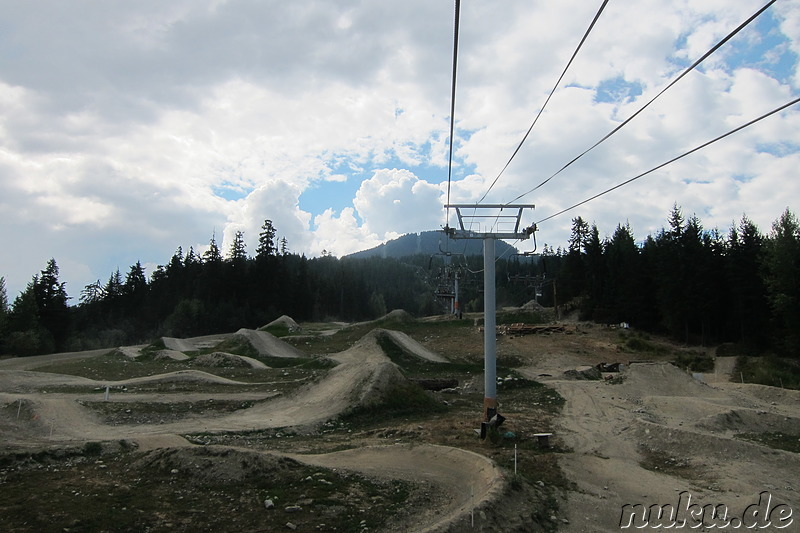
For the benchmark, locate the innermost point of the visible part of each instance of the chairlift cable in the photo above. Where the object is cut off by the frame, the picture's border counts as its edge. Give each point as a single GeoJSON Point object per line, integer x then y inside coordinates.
{"type": "Point", "coordinates": [539, 114]}
{"type": "Point", "coordinates": [452, 106]}
{"type": "Point", "coordinates": [673, 82]}
{"type": "Point", "coordinates": [662, 165]}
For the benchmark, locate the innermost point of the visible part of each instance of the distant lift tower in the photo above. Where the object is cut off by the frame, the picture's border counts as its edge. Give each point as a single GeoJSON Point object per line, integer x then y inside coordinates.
{"type": "Point", "coordinates": [490, 227]}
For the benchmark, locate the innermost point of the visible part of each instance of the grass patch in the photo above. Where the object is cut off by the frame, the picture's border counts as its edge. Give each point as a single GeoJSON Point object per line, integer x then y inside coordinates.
{"type": "Point", "coordinates": [310, 363]}
{"type": "Point", "coordinates": [532, 390]}
{"type": "Point", "coordinates": [279, 330]}
{"type": "Point", "coordinates": [402, 400]}
{"type": "Point", "coordinates": [149, 352]}
{"type": "Point", "coordinates": [416, 366]}
{"type": "Point", "coordinates": [241, 347]}
{"type": "Point", "coordinates": [695, 362]}
{"type": "Point", "coordinates": [521, 317]}
{"type": "Point", "coordinates": [640, 345]}
{"type": "Point", "coordinates": [113, 367]}
{"type": "Point", "coordinates": [347, 336]}
{"type": "Point", "coordinates": [769, 370]}
{"type": "Point", "coordinates": [776, 440]}
{"type": "Point", "coordinates": [234, 345]}
{"type": "Point", "coordinates": [128, 413]}
{"type": "Point", "coordinates": [205, 489]}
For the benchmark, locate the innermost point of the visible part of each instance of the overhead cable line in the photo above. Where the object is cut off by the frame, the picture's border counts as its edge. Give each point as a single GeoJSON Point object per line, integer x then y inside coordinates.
{"type": "Point", "coordinates": [539, 114]}
{"type": "Point", "coordinates": [452, 106]}
{"type": "Point", "coordinates": [731, 132]}
{"type": "Point", "coordinates": [676, 80]}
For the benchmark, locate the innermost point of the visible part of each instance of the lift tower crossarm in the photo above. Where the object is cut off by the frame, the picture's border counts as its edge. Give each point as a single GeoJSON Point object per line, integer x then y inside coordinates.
{"type": "Point", "coordinates": [464, 233]}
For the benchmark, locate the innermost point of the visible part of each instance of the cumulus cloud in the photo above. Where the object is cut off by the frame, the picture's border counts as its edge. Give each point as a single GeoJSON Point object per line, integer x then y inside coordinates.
{"type": "Point", "coordinates": [129, 129]}
{"type": "Point", "coordinates": [341, 234]}
{"type": "Point", "coordinates": [394, 202]}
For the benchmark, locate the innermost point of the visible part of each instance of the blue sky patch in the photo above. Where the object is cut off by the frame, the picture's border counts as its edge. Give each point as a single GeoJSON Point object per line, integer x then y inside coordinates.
{"type": "Point", "coordinates": [337, 195]}
{"type": "Point", "coordinates": [779, 149]}
{"type": "Point", "coordinates": [230, 192]}
{"type": "Point", "coordinates": [765, 48]}
{"type": "Point", "coordinates": [617, 90]}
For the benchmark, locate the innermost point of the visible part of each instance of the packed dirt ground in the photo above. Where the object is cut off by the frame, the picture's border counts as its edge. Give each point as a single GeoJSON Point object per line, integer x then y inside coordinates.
{"type": "Point", "coordinates": [327, 429]}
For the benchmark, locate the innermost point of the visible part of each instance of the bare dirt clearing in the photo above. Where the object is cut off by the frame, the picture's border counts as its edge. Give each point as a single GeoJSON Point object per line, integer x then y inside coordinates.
{"type": "Point", "coordinates": [393, 458]}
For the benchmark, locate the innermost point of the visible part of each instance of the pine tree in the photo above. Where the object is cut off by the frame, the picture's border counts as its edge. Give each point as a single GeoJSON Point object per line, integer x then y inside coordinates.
{"type": "Point", "coordinates": [113, 287]}
{"type": "Point", "coordinates": [580, 235]}
{"type": "Point", "coordinates": [238, 251]}
{"type": "Point", "coordinates": [191, 258]}
{"type": "Point", "coordinates": [212, 255]}
{"type": "Point", "coordinates": [266, 241]}
{"type": "Point", "coordinates": [175, 265]}
{"type": "Point", "coordinates": [782, 264]}
{"type": "Point", "coordinates": [51, 299]}
{"type": "Point", "coordinates": [135, 280]}
{"type": "Point", "coordinates": [92, 293]}
{"type": "Point", "coordinates": [750, 310]}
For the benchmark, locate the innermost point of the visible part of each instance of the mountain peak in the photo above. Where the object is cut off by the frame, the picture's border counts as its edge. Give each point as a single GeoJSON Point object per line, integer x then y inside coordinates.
{"type": "Point", "coordinates": [429, 243]}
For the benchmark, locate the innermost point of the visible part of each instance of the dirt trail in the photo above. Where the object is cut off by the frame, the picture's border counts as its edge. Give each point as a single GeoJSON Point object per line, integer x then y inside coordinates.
{"type": "Point", "coordinates": [644, 439]}
{"type": "Point", "coordinates": [362, 375]}
{"type": "Point", "coordinates": [685, 428]}
{"type": "Point", "coordinates": [460, 480]}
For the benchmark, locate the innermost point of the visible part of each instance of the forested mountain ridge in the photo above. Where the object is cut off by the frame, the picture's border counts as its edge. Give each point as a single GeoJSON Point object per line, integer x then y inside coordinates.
{"type": "Point", "coordinates": [430, 243]}
{"type": "Point", "coordinates": [698, 286]}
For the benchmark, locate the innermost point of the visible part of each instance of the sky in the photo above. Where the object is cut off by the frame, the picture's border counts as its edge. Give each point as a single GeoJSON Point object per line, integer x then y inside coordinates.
{"type": "Point", "coordinates": [128, 129]}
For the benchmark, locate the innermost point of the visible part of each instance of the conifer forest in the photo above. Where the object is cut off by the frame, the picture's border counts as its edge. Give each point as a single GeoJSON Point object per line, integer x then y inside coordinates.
{"type": "Point", "coordinates": [699, 286]}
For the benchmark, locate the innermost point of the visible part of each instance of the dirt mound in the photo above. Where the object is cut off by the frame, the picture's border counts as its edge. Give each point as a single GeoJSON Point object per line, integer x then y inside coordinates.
{"type": "Point", "coordinates": [768, 394]}
{"type": "Point", "coordinates": [171, 354]}
{"type": "Point", "coordinates": [397, 315]}
{"type": "Point", "coordinates": [177, 376]}
{"type": "Point", "coordinates": [19, 419]}
{"type": "Point", "coordinates": [285, 321]}
{"type": "Point", "coordinates": [410, 346]}
{"type": "Point", "coordinates": [213, 465]}
{"type": "Point", "coordinates": [25, 381]}
{"type": "Point", "coordinates": [663, 379]}
{"type": "Point", "coordinates": [268, 345]}
{"type": "Point", "coordinates": [179, 345]}
{"type": "Point", "coordinates": [227, 360]}
{"type": "Point", "coordinates": [131, 352]}
{"type": "Point", "coordinates": [383, 380]}
{"type": "Point", "coordinates": [364, 377]}
{"type": "Point", "coordinates": [532, 305]}
{"type": "Point", "coordinates": [750, 421]}
{"type": "Point", "coordinates": [591, 373]}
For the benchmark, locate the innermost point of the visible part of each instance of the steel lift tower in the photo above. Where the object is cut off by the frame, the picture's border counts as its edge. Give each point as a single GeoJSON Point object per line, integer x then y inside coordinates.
{"type": "Point", "coordinates": [505, 225]}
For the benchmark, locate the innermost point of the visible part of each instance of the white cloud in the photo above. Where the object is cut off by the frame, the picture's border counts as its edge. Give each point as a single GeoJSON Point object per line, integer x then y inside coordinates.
{"type": "Point", "coordinates": [341, 235]}
{"type": "Point", "coordinates": [129, 129]}
{"type": "Point", "coordinates": [397, 202]}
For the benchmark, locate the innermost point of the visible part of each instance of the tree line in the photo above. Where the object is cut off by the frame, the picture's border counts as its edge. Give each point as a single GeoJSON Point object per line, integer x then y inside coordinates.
{"type": "Point", "coordinates": [195, 294]}
{"type": "Point", "coordinates": [696, 285]}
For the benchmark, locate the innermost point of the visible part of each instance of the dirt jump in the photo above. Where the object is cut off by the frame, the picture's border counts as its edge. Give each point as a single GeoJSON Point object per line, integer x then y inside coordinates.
{"type": "Point", "coordinates": [662, 437]}
{"type": "Point", "coordinates": [649, 439]}
{"type": "Point", "coordinates": [38, 409]}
